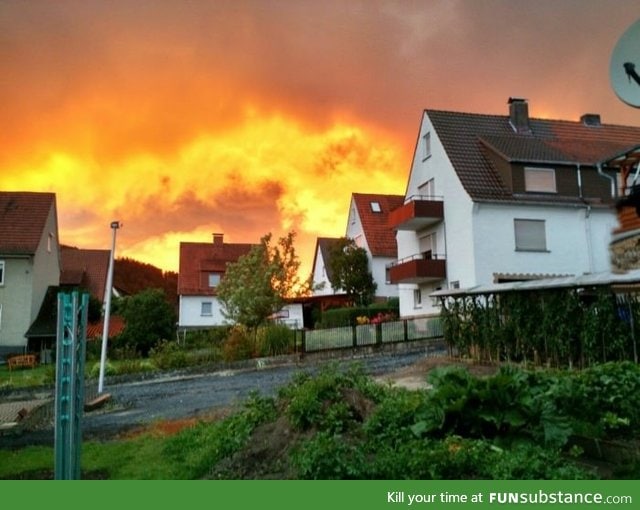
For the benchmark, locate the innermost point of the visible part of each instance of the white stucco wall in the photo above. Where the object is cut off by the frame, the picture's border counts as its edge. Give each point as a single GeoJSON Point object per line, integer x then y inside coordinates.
{"type": "Point", "coordinates": [190, 309]}
{"type": "Point", "coordinates": [322, 285]}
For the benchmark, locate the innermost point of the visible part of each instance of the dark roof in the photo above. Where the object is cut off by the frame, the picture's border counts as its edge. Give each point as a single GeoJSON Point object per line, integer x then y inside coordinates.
{"type": "Point", "coordinates": [85, 268]}
{"type": "Point", "coordinates": [323, 246]}
{"type": "Point", "coordinates": [466, 137]}
{"type": "Point", "coordinates": [197, 260]}
{"type": "Point", "coordinates": [380, 237]}
{"type": "Point", "coordinates": [46, 321]}
{"type": "Point", "coordinates": [23, 216]}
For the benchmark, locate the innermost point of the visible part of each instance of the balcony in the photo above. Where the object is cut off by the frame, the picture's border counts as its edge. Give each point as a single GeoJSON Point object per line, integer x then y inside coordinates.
{"type": "Point", "coordinates": [418, 212]}
{"type": "Point", "coordinates": [420, 268]}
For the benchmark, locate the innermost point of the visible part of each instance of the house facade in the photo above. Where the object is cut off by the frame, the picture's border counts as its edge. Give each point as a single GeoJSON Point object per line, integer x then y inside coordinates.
{"type": "Point", "coordinates": [321, 270]}
{"type": "Point", "coordinates": [29, 262]}
{"type": "Point", "coordinates": [368, 226]}
{"type": "Point", "coordinates": [498, 198]}
{"type": "Point", "coordinates": [201, 267]}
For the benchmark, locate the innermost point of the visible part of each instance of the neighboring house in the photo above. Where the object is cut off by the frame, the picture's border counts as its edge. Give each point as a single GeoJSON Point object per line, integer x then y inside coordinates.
{"type": "Point", "coordinates": [29, 263]}
{"type": "Point", "coordinates": [202, 266]}
{"type": "Point", "coordinates": [498, 198]}
{"type": "Point", "coordinates": [321, 269]}
{"type": "Point", "coordinates": [368, 226]}
{"type": "Point", "coordinates": [85, 269]}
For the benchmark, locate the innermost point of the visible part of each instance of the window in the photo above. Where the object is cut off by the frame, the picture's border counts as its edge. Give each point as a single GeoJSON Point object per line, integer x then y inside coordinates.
{"type": "Point", "coordinates": [375, 207]}
{"type": "Point", "coordinates": [1, 272]}
{"type": "Point", "coordinates": [417, 298]}
{"type": "Point", "coordinates": [530, 235]}
{"type": "Point", "coordinates": [540, 179]}
{"type": "Point", "coordinates": [49, 242]}
{"type": "Point", "coordinates": [206, 309]}
{"type": "Point", "coordinates": [214, 279]}
{"type": "Point", "coordinates": [427, 189]}
{"type": "Point", "coordinates": [426, 146]}
{"type": "Point", "coordinates": [428, 246]}
{"type": "Point", "coordinates": [455, 284]}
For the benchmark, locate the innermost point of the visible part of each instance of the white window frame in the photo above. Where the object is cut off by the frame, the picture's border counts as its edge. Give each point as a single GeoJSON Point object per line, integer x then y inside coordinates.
{"type": "Point", "coordinates": [375, 207]}
{"type": "Point", "coordinates": [526, 240]}
{"type": "Point", "coordinates": [427, 188]}
{"type": "Point", "coordinates": [534, 180]}
{"type": "Point", "coordinates": [2, 270]}
{"type": "Point", "coordinates": [215, 276]}
{"type": "Point", "coordinates": [426, 145]}
{"type": "Point", "coordinates": [417, 298]}
{"type": "Point", "coordinates": [203, 305]}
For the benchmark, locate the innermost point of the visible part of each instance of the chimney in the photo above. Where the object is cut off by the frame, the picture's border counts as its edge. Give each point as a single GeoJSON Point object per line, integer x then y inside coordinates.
{"type": "Point", "coordinates": [218, 238]}
{"type": "Point", "coordinates": [591, 119]}
{"type": "Point", "coordinates": [519, 115]}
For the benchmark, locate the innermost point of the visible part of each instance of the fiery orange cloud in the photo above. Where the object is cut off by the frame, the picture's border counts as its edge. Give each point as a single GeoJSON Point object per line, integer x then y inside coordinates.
{"type": "Point", "coordinates": [246, 117]}
{"type": "Point", "coordinates": [268, 174]}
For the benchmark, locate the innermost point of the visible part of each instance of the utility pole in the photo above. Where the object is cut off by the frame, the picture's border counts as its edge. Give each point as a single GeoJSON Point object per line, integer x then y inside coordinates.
{"type": "Point", "coordinates": [115, 225]}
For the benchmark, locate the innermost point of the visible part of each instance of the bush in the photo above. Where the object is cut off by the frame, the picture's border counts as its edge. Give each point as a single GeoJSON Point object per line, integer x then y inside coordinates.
{"type": "Point", "coordinates": [168, 355]}
{"type": "Point", "coordinates": [238, 345]}
{"type": "Point", "coordinates": [109, 369]}
{"type": "Point", "coordinates": [275, 339]}
{"type": "Point", "coordinates": [204, 338]}
{"type": "Point", "coordinates": [340, 317]}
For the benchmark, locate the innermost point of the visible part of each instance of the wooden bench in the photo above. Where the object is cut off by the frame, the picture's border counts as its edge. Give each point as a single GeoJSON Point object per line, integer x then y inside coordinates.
{"type": "Point", "coordinates": [21, 361]}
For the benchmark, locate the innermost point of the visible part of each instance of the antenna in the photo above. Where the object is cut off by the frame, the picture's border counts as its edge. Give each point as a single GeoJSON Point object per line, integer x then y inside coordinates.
{"type": "Point", "coordinates": [624, 69]}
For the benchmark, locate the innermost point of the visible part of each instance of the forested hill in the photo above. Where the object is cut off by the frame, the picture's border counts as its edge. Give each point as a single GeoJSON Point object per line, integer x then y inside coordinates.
{"type": "Point", "coordinates": [132, 276]}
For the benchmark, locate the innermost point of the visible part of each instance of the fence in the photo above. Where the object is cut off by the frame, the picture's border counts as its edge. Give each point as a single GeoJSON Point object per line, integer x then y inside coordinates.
{"type": "Point", "coordinates": [353, 337]}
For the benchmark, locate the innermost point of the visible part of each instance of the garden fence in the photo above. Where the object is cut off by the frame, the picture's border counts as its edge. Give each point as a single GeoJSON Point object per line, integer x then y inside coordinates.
{"type": "Point", "coordinates": [368, 335]}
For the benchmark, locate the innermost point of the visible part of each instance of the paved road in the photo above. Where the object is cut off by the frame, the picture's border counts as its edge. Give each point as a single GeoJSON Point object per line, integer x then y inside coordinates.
{"type": "Point", "coordinates": [182, 396]}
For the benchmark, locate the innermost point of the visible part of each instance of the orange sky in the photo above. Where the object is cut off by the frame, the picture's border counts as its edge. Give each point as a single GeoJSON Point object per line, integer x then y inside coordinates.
{"type": "Point", "coordinates": [183, 118]}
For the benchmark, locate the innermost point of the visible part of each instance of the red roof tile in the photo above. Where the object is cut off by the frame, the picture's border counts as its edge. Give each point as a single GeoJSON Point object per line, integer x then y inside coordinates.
{"type": "Point", "coordinates": [85, 268]}
{"type": "Point", "coordinates": [197, 260]}
{"type": "Point", "coordinates": [116, 326]}
{"type": "Point", "coordinates": [464, 136]}
{"type": "Point", "coordinates": [23, 216]}
{"type": "Point", "coordinates": [380, 237]}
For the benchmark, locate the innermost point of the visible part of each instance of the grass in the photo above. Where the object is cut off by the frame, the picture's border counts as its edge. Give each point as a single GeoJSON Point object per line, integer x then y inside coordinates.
{"type": "Point", "coordinates": [26, 377]}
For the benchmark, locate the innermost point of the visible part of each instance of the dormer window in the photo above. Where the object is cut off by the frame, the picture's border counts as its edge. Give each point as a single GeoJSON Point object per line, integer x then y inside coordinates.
{"type": "Point", "coordinates": [541, 180]}
{"type": "Point", "coordinates": [214, 279]}
{"type": "Point", "coordinates": [375, 207]}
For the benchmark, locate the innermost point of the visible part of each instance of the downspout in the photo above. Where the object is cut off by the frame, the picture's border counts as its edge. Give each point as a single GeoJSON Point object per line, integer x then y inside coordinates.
{"type": "Point", "coordinates": [587, 220]}
{"type": "Point", "coordinates": [601, 173]}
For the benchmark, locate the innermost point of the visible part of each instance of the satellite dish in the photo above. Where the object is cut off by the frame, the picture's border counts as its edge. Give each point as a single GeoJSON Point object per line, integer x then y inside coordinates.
{"type": "Point", "coordinates": [624, 71]}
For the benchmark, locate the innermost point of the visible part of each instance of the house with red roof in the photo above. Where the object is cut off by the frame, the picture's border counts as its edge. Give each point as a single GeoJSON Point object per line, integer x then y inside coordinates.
{"type": "Point", "coordinates": [201, 267]}
{"type": "Point", "coordinates": [499, 198]}
{"type": "Point", "coordinates": [29, 262]}
{"type": "Point", "coordinates": [368, 226]}
{"type": "Point", "coordinates": [321, 269]}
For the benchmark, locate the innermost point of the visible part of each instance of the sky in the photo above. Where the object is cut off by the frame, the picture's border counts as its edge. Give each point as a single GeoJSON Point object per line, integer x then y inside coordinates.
{"type": "Point", "coordinates": [182, 118]}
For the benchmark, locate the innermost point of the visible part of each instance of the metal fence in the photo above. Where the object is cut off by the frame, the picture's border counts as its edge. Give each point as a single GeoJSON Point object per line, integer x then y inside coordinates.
{"type": "Point", "coordinates": [353, 337]}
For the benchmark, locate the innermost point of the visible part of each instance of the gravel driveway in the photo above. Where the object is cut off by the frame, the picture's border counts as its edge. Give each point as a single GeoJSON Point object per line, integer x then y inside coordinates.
{"type": "Point", "coordinates": [175, 396]}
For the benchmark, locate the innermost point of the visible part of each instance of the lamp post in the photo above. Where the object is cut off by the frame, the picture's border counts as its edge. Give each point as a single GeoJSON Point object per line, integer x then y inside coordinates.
{"type": "Point", "coordinates": [115, 225]}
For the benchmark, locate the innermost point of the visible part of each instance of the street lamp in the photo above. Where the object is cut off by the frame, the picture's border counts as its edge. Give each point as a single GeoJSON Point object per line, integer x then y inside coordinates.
{"type": "Point", "coordinates": [115, 225]}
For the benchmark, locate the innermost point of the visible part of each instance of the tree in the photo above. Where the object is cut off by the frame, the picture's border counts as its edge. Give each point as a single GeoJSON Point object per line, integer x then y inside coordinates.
{"type": "Point", "coordinates": [148, 318]}
{"type": "Point", "coordinates": [349, 271]}
{"type": "Point", "coordinates": [255, 287]}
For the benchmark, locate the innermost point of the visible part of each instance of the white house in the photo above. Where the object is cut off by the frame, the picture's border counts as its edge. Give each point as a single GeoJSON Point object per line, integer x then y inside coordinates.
{"type": "Point", "coordinates": [368, 226]}
{"type": "Point", "coordinates": [202, 265]}
{"type": "Point", "coordinates": [29, 263]}
{"type": "Point", "coordinates": [321, 269]}
{"type": "Point", "coordinates": [497, 198]}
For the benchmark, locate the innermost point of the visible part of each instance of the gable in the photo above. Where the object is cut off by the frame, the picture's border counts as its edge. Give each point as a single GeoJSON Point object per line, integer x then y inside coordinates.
{"type": "Point", "coordinates": [23, 216]}
{"type": "Point", "coordinates": [198, 260]}
{"type": "Point", "coordinates": [373, 211]}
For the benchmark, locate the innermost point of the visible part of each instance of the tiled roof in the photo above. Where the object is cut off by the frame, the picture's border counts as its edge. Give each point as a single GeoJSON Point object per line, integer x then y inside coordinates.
{"type": "Point", "coordinates": [85, 268]}
{"type": "Point", "coordinates": [380, 237]}
{"type": "Point", "coordinates": [465, 137]}
{"type": "Point", "coordinates": [197, 260]}
{"type": "Point", "coordinates": [116, 326]}
{"type": "Point", "coordinates": [23, 216]}
{"type": "Point", "coordinates": [324, 245]}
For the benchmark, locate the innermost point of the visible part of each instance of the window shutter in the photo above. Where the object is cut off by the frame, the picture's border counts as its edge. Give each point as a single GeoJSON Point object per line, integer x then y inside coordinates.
{"type": "Point", "coordinates": [530, 235]}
